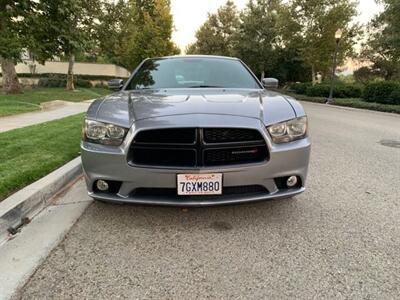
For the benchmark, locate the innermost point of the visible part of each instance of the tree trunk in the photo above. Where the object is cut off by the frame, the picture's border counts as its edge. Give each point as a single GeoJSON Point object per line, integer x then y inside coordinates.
{"type": "Point", "coordinates": [11, 83]}
{"type": "Point", "coordinates": [262, 75]}
{"type": "Point", "coordinates": [313, 75]}
{"type": "Point", "coordinates": [70, 76]}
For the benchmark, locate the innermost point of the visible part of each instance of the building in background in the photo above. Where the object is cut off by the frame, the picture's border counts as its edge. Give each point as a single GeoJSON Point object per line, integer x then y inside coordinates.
{"type": "Point", "coordinates": [61, 67]}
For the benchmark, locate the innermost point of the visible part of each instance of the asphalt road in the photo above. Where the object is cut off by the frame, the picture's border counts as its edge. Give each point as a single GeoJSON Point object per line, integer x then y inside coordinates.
{"type": "Point", "coordinates": [340, 239]}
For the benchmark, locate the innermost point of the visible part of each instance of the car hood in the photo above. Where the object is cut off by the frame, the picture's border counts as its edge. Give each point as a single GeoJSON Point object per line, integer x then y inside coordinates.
{"type": "Point", "coordinates": [126, 107]}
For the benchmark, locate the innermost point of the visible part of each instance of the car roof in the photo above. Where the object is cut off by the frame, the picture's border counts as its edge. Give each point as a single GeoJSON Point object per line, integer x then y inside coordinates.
{"type": "Point", "coordinates": [197, 56]}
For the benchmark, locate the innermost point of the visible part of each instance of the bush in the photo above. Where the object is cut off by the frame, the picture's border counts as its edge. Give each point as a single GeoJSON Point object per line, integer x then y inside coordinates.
{"type": "Point", "coordinates": [61, 81]}
{"type": "Point", "coordinates": [101, 85]}
{"type": "Point", "coordinates": [395, 97]}
{"type": "Point", "coordinates": [385, 92]}
{"type": "Point", "coordinates": [340, 91]}
{"type": "Point", "coordinates": [349, 91]}
{"type": "Point", "coordinates": [364, 75]}
{"type": "Point", "coordinates": [300, 88]}
{"type": "Point", "coordinates": [83, 83]}
{"type": "Point", "coordinates": [356, 103]}
{"type": "Point", "coordinates": [318, 90]}
{"type": "Point", "coordinates": [43, 82]}
{"type": "Point", "coordinates": [52, 82]}
{"type": "Point", "coordinates": [322, 90]}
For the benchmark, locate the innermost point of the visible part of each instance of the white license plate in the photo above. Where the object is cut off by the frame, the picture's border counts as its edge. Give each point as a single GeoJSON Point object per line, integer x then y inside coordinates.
{"type": "Point", "coordinates": [199, 184]}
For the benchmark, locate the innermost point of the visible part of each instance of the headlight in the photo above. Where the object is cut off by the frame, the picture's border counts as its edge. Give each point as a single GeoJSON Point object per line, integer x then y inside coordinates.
{"type": "Point", "coordinates": [288, 131]}
{"type": "Point", "coordinates": [102, 133]}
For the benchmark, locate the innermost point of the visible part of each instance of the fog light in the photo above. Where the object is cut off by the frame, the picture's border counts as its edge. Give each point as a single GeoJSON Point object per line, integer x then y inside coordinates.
{"type": "Point", "coordinates": [102, 185]}
{"type": "Point", "coordinates": [291, 181]}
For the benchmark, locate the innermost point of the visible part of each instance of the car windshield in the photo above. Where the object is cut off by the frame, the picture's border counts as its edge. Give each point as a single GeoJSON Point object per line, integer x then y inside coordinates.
{"type": "Point", "coordinates": [192, 72]}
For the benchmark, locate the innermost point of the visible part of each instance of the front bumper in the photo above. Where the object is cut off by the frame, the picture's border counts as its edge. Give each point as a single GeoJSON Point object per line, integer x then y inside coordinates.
{"type": "Point", "coordinates": [110, 163]}
{"type": "Point", "coordinates": [209, 201]}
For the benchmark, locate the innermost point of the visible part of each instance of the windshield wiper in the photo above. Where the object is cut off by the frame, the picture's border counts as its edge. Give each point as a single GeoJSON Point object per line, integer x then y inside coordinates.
{"type": "Point", "coordinates": [205, 86]}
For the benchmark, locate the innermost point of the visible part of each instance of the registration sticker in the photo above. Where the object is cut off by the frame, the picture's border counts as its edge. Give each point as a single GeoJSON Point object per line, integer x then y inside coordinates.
{"type": "Point", "coordinates": [199, 184]}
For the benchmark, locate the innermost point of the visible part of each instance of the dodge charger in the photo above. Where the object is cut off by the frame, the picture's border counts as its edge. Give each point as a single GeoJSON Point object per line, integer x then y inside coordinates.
{"type": "Point", "coordinates": [194, 131]}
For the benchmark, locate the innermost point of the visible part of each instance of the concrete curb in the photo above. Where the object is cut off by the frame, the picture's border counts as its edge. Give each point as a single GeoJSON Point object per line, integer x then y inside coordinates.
{"type": "Point", "coordinates": [29, 201]}
{"type": "Point", "coordinates": [22, 255]}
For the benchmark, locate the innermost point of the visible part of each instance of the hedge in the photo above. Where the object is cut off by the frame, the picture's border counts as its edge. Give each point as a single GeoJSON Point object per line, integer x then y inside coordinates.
{"type": "Point", "coordinates": [61, 82]}
{"type": "Point", "coordinates": [51, 75]}
{"type": "Point", "coordinates": [395, 97]}
{"type": "Point", "coordinates": [355, 103]}
{"type": "Point", "coordinates": [386, 92]}
{"type": "Point", "coordinates": [322, 90]}
{"type": "Point", "coordinates": [300, 88]}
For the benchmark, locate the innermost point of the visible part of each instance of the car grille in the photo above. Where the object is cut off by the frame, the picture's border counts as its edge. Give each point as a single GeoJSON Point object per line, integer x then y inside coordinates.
{"type": "Point", "coordinates": [197, 147]}
{"type": "Point", "coordinates": [230, 191]}
{"type": "Point", "coordinates": [226, 135]}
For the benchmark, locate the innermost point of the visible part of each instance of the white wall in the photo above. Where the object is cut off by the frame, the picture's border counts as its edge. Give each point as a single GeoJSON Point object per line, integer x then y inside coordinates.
{"type": "Point", "coordinates": [79, 68]}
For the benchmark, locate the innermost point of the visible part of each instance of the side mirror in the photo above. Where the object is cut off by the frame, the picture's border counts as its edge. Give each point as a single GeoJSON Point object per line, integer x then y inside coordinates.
{"type": "Point", "coordinates": [271, 83]}
{"type": "Point", "coordinates": [115, 84]}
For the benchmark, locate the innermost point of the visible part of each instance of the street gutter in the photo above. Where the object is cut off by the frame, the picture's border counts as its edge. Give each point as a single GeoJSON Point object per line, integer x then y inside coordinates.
{"type": "Point", "coordinates": [21, 207]}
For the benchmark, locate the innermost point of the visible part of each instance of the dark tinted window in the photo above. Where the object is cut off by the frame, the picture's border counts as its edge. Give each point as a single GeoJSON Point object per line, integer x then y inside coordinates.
{"type": "Point", "coordinates": [192, 73]}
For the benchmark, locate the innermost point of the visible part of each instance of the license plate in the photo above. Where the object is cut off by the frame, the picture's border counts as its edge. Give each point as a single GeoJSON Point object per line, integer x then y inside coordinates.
{"type": "Point", "coordinates": [199, 184]}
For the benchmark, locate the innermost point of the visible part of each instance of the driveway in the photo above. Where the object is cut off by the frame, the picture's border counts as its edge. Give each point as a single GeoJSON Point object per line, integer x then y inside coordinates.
{"type": "Point", "coordinates": [340, 239]}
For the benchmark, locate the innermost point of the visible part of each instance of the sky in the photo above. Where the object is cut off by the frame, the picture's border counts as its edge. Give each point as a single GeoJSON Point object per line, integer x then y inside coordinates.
{"type": "Point", "coordinates": [189, 15]}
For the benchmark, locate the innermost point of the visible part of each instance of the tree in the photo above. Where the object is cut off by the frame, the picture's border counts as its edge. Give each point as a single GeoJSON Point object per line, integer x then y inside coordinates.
{"type": "Point", "coordinates": [116, 25]}
{"type": "Point", "coordinates": [364, 75]}
{"type": "Point", "coordinates": [14, 38]}
{"type": "Point", "coordinates": [317, 22]}
{"type": "Point", "coordinates": [382, 47]}
{"type": "Point", "coordinates": [68, 28]}
{"type": "Point", "coordinates": [260, 35]}
{"type": "Point", "coordinates": [216, 35]}
{"type": "Point", "coordinates": [154, 24]}
{"type": "Point", "coordinates": [131, 31]}
{"type": "Point", "coordinates": [289, 66]}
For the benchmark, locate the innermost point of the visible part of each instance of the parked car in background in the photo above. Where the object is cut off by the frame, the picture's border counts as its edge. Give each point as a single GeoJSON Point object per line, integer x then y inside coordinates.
{"type": "Point", "coordinates": [193, 131]}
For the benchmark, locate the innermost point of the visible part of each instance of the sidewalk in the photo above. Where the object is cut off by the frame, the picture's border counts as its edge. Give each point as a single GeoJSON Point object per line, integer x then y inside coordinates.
{"type": "Point", "coordinates": [31, 118]}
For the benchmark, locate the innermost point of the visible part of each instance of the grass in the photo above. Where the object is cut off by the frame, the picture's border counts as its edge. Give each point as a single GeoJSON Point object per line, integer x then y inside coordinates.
{"type": "Point", "coordinates": [31, 99]}
{"type": "Point", "coordinates": [29, 153]}
{"type": "Point", "coordinates": [348, 102]}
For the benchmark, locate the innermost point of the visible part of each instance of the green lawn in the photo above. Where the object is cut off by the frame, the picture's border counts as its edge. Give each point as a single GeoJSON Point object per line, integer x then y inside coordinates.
{"type": "Point", "coordinates": [348, 102]}
{"type": "Point", "coordinates": [29, 153]}
{"type": "Point", "coordinates": [31, 99]}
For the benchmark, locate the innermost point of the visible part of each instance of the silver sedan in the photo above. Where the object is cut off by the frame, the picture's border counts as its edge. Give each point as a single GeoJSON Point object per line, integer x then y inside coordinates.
{"type": "Point", "coordinates": [194, 131]}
